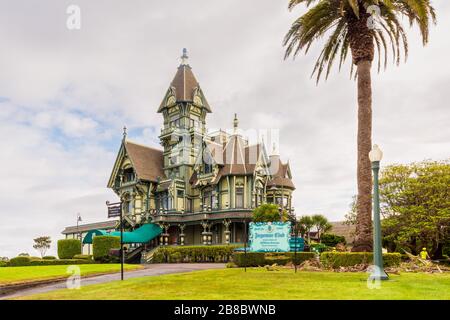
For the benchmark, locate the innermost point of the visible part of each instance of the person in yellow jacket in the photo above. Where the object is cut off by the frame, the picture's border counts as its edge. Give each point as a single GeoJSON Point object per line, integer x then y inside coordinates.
{"type": "Point", "coordinates": [424, 254]}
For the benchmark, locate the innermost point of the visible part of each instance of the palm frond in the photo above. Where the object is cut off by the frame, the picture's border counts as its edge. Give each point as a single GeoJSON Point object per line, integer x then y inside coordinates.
{"type": "Point", "coordinates": [355, 6]}
{"type": "Point", "coordinates": [419, 12]}
{"type": "Point", "coordinates": [310, 26]}
{"type": "Point", "coordinates": [328, 54]}
{"type": "Point", "coordinates": [293, 3]}
{"type": "Point", "coordinates": [333, 17]}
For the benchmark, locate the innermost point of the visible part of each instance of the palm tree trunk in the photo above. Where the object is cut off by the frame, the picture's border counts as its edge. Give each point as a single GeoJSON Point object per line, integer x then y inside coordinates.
{"type": "Point", "coordinates": [363, 241]}
{"type": "Point", "coordinates": [361, 38]}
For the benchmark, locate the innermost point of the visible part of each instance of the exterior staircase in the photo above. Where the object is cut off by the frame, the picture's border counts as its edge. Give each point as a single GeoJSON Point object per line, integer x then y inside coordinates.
{"type": "Point", "coordinates": [147, 256]}
{"type": "Point", "coordinates": [133, 256]}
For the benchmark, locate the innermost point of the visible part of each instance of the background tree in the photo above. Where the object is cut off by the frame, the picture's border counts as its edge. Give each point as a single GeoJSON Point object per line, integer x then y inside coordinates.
{"type": "Point", "coordinates": [306, 224]}
{"type": "Point", "coordinates": [42, 244]}
{"type": "Point", "coordinates": [331, 240]}
{"type": "Point", "coordinates": [352, 27]}
{"type": "Point", "coordinates": [415, 205]}
{"type": "Point", "coordinates": [320, 222]}
{"type": "Point", "coordinates": [269, 212]}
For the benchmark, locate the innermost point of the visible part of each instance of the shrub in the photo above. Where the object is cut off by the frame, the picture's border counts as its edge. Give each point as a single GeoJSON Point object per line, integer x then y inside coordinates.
{"type": "Point", "coordinates": [219, 253]}
{"type": "Point", "coordinates": [175, 257]}
{"type": "Point", "coordinates": [348, 259]}
{"type": "Point", "coordinates": [49, 258]}
{"type": "Point", "coordinates": [302, 257]}
{"type": "Point", "coordinates": [83, 256]}
{"type": "Point", "coordinates": [3, 264]}
{"type": "Point", "coordinates": [102, 246]}
{"type": "Point", "coordinates": [253, 259]}
{"type": "Point", "coordinates": [256, 259]}
{"type": "Point", "coordinates": [35, 258]}
{"type": "Point", "coordinates": [58, 262]}
{"type": "Point", "coordinates": [23, 254]}
{"type": "Point", "coordinates": [318, 247]}
{"type": "Point", "coordinates": [19, 261]}
{"type": "Point", "coordinates": [331, 240]}
{"type": "Point", "coordinates": [67, 248]}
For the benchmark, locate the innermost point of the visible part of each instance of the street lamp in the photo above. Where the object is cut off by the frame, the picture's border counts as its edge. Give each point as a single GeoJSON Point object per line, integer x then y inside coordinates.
{"type": "Point", "coordinates": [78, 231]}
{"type": "Point", "coordinates": [375, 156]}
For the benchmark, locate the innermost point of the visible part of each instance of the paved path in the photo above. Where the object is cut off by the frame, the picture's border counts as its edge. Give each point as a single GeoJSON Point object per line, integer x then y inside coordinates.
{"type": "Point", "coordinates": [149, 270]}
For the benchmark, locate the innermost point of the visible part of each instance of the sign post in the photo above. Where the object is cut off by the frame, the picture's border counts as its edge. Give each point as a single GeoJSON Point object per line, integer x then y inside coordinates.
{"type": "Point", "coordinates": [245, 245]}
{"type": "Point", "coordinates": [114, 211]}
{"type": "Point", "coordinates": [296, 243]}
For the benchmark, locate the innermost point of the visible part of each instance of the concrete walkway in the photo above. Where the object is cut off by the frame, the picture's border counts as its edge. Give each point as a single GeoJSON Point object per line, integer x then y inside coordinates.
{"type": "Point", "coordinates": [149, 270]}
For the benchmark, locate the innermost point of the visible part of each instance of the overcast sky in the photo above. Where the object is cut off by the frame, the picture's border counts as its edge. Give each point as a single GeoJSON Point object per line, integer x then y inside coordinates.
{"type": "Point", "coordinates": [66, 94]}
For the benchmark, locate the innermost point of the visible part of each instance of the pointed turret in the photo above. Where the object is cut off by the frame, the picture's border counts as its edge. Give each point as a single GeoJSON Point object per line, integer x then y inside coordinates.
{"type": "Point", "coordinates": [184, 88]}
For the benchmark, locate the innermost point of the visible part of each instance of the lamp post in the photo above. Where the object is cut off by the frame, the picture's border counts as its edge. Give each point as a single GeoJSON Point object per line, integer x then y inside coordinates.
{"type": "Point", "coordinates": [375, 156]}
{"type": "Point", "coordinates": [78, 232]}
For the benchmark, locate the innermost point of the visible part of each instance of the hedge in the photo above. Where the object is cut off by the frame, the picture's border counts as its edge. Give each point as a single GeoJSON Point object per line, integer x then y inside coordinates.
{"type": "Point", "coordinates": [102, 245]}
{"type": "Point", "coordinates": [256, 259]}
{"type": "Point", "coordinates": [59, 262]}
{"type": "Point", "coordinates": [348, 259]}
{"type": "Point", "coordinates": [83, 256]}
{"type": "Point", "coordinates": [219, 253]}
{"type": "Point", "coordinates": [67, 248]}
{"type": "Point", "coordinates": [3, 264]}
{"type": "Point", "coordinates": [49, 258]}
{"type": "Point", "coordinates": [19, 261]}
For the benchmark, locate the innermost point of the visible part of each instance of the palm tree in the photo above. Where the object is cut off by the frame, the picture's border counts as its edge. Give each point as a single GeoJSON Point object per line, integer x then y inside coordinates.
{"type": "Point", "coordinates": [306, 224]}
{"type": "Point", "coordinates": [350, 26]}
{"type": "Point", "coordinates": [321, 224]}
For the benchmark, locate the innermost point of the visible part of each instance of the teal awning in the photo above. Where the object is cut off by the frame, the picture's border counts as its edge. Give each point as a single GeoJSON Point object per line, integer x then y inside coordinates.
{"type": "Point", "coordinates": [143, 234]}
{"type": "Point", "coordinates": [90, 234]}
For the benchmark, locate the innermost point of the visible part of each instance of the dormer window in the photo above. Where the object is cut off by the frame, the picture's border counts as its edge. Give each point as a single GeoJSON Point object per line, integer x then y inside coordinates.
{"type": "Point", "coordinates": [128, 175]}
{"type": "Point", "coordinates": [208, 168]}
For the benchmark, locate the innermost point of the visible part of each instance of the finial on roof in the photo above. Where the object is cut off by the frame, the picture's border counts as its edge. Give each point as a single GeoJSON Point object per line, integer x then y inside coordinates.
{"type": "Point", "coordinates": [274, 149]}
{"type": "Point", "coordinates": [184, 57]}
{"type": "Point", "coordinates": [124, 132]}
{"type": "Point", "coordinates": [235, 123]}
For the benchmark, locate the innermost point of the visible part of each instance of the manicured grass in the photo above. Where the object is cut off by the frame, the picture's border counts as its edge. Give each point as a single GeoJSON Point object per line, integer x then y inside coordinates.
{"type": "Point", "coordinates": [259, 283]}
{"type": "Point", "coordinates": [15, 275]}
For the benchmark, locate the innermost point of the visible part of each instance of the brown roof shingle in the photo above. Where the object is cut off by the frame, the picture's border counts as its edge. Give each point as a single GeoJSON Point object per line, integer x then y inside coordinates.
{"type": "Point", "coordinates": [281, 177]}
{"type": "Point", "coordinates": [184, 84]}
{"type": "Point", "coordinates": [148, 162]}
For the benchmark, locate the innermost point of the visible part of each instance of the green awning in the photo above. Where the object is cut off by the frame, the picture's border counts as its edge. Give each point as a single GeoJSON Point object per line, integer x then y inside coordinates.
{"type": "Point", "coordinates": [90, 234]}
{"type": "Point", "coordinates": [143, 234]}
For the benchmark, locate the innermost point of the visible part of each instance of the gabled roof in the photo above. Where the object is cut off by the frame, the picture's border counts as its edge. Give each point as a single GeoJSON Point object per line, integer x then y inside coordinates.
{"type": "Point", "coordinates": [184, 86]}
{"type": "Point", "coordinates": [234, 157]}
{"type": "Point", "coordinates": [147, 162]}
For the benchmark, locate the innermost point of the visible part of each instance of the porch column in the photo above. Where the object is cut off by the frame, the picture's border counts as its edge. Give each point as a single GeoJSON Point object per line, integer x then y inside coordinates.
{"type": "Point", "coordinates": [165, 236]}
{"type": "Point", "coordinates": [182, 235]}
{"type": "Point", "coordinates": [227, 232]}
{"type": "Point", "coordinates": [206, 234]}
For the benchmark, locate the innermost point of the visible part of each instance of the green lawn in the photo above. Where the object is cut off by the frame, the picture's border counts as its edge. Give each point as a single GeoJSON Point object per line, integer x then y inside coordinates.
{"type": "Point", "coordinates": [15, 275]}
{"type": "Point", "coordinates": [261, 284]}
